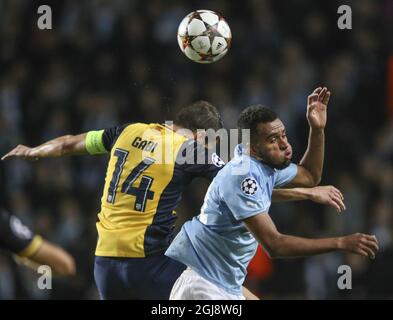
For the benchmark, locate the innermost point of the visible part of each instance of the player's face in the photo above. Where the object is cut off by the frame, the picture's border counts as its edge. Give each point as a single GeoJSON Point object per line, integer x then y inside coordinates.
{"type": "Point", "coordinates": [273, 146]}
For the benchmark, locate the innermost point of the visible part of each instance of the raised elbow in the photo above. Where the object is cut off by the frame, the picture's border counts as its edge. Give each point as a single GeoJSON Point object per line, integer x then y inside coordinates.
{"type": "Point", "coordinates": [307, 178]}
{"type": "Point", "coordinates": [313, 179]}
{"type": "Point", "coordinates": [317, 180]}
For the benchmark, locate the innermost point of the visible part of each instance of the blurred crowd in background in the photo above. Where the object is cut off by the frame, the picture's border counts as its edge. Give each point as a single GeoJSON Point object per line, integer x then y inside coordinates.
{"type": "Point", "coordinates": [111, 62]}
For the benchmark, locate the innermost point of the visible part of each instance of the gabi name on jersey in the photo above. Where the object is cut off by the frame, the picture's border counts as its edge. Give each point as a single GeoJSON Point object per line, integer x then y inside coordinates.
{"type": "Point", "coordinates": [144, 145]}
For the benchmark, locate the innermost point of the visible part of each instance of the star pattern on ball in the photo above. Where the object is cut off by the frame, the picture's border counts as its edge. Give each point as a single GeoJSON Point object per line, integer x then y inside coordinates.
{"type": "Point", "coordinates": [249, 186]}
{"type": "Point", "coordinates": [217, 160]}
{"type": "Point", "coordinates": [204, 36]}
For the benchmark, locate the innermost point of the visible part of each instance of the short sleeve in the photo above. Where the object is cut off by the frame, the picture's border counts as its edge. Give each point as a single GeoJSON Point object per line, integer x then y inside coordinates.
{"type": "Point", "coordinates": [14, 235]}
{"type": "Point", "coordinates": [285, 176]}
{"type": "Point", "coordinates": [244, 195]}
{"type": "Point", "coordinates": [198, 161]}
{"type": "Point", "coordinates": [110, 136]}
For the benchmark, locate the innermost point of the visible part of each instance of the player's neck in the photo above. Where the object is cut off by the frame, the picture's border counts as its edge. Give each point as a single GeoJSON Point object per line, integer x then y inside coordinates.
{"type": "Point", "coordinates": [254, 155]}
{"type": "Point", "coordinates": [249, 152]}
{"type": "Point", "coordinates": [260, 159]}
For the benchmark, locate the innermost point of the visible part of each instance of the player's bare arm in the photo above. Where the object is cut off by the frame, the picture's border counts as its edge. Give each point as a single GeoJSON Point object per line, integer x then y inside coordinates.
{"type": "Point", "coordinates": [54, 256]}
{"type": "Point", "coordinates": [327, 195]}
{"type": "Point", "coordinates": [61, 146]}
{"type": "Point", "coordinates": [61, 262]}
{"type": "Point", "coordinates": [249, 295]}
{"type": "Point", "coordinates": [280, 245]}
{"type": "Point", "coordinates": [311, 166]}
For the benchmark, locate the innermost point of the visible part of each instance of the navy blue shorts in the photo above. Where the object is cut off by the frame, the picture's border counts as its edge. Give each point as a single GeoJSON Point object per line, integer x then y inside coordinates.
{"type": "Point", "coordinates": [150, 278]}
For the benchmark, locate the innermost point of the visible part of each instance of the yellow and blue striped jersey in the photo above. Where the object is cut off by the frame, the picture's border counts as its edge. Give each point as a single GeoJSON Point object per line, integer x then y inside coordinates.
{"type": "Point", "coordinates": [148, 168]}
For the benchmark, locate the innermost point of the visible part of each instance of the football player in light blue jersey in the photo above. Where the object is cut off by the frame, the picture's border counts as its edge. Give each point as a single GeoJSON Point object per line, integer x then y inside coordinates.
{"type": "Point", "coordinates": [218, 245]}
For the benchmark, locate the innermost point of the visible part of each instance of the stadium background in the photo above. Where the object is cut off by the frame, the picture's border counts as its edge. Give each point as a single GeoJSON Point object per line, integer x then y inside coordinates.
{"type": "Point", "coordinates": [111, 62]}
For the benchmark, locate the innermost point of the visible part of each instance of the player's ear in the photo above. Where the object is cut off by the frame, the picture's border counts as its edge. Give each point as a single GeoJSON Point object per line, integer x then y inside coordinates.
{"type": "Point", "coordinates": [254, 151]}
{"type": "Point", "coordinates": [252, 148]}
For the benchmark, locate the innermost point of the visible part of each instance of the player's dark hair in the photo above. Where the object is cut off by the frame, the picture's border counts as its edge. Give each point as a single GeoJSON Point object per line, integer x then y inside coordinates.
{"type": "Point", "coordinates": [252, 116]}
{"type": "Point", "coordinates": [199, 115]}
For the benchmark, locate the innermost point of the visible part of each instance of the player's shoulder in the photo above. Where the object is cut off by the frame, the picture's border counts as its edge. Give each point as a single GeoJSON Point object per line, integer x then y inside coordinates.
{"type": "Point", "coordinates": [134, 126]}
{"type": "Point", "coordinates": [11, 224]}
{"type": "Point", "coordinates": [190, 149]}
{"type": "Point", "coordinates": [242, 167]}
{"type": "Point", "coordinates": [4, 217]}
{"type": "Point", "coordinates": [154, 129]}
{"type": "Point", "coordinates": [112, 133]}
{"type": "Point", "coordinates": [140, 129]}
{"type": "Point", "coordinates": [140, 125]}
{"type": "Point", "coordinates": [240, 172]}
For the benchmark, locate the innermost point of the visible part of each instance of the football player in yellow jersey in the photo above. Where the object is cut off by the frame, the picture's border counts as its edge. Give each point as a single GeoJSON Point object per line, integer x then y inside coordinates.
{"type": "Point", "coordinates": [143, 185]}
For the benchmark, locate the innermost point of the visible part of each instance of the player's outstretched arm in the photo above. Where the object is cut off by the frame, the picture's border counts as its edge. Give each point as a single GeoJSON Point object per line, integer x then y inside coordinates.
{"type": "Point", "coordinates": [60, 261]}
{"type": "Point", "coordinates": [311, 166]}
{"type": "Point", "coordinates": [280, 245]}
{"type": "Point", "coordinates": [61, 146]}
{"type": "Point", "coordinates": [327, 195]}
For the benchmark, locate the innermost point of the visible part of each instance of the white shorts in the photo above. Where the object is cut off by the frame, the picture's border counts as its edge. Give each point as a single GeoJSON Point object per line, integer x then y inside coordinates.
{"type": "Point", "coordinates": [191, 286]}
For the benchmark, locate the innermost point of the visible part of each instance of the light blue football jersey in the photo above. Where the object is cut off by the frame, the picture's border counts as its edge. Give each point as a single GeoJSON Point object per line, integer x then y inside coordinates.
{"type": "Point", "coordinates": [216, 244]}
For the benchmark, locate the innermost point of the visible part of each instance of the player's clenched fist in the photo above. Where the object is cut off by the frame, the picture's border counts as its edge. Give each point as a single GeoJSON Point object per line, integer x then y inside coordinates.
{"type": "Point", "coordinates": [359, 243]}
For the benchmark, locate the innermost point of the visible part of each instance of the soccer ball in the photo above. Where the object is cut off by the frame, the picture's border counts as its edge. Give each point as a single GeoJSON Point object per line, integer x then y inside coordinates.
{"type": "Point", "coordinates": [204, 36]}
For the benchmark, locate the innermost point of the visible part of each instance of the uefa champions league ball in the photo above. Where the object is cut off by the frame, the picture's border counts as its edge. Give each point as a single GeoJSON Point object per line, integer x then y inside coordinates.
{"type": "Point", "coordinates": [204, 36]}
